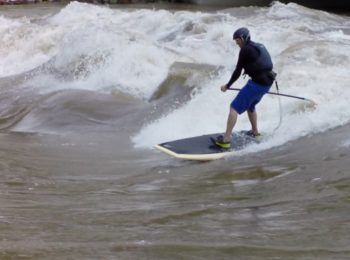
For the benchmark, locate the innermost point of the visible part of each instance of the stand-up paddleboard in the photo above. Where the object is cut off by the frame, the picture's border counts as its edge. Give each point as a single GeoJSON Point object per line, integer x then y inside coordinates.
{"type": "Point", "coordinates": [203, 148]}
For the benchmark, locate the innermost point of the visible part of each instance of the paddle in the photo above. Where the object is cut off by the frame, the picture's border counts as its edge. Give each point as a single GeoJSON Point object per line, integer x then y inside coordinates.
{"type": "Point", "coordinates": [283, 95]}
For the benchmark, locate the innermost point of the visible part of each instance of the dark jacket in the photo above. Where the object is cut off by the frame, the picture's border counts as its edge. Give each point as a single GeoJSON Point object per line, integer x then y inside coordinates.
{"type": "Point", "coordinates": [256, 62]}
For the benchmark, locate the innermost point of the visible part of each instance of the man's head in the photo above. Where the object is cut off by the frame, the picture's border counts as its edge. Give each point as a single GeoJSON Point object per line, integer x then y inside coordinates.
{"type": "Point", "coordinates": [241, 36]}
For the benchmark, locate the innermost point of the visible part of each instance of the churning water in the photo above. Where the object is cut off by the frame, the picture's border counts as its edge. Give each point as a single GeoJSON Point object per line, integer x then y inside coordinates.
{"type": "Point", "coordinates": [87, 90]}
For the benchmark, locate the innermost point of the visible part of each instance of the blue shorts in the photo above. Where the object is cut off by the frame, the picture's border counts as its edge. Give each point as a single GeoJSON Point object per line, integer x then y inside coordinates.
{"type": "Point", "coordinates": [249, 96]}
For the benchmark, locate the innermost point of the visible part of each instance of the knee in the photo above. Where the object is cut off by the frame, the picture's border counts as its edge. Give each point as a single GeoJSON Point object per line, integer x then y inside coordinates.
{"type": "Point", "coordinates": [233, 112]}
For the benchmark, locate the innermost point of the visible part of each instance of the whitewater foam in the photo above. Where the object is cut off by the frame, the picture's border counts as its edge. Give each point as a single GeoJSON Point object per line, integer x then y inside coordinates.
{"type": "Point", "coordinates": [102, 49]}
{"type": "Point", "coordinates": [25, 45]}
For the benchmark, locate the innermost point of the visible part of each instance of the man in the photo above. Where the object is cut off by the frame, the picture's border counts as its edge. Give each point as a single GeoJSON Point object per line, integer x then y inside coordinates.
{"type": "Point", "coordinates": [256, 62]}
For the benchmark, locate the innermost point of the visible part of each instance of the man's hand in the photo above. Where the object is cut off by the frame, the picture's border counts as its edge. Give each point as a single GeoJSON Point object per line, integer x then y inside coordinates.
{"type": "Point", "coordinates": [224, 88]}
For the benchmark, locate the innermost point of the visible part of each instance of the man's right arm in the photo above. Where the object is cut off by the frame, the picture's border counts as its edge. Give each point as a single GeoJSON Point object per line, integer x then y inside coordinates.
{"type": "Point", "coordinates": [238, 70]}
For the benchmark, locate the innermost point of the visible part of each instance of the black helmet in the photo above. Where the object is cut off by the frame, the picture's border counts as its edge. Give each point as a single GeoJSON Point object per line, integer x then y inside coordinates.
{"type": "Point", "coordinates": [242, 33]}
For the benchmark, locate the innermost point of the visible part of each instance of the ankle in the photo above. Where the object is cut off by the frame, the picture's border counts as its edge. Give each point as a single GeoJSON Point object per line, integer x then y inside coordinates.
{"type": "Point", "coordinates": [227, 138]}
{"type": "Point", "coordinates": [255, 132]}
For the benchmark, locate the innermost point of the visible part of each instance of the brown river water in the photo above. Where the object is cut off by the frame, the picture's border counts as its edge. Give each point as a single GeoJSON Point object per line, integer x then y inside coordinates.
{"type": "Point", "coordinates": [73, 184]}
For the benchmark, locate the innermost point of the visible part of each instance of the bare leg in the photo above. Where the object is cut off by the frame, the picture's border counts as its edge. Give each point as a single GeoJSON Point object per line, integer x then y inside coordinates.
{"type": "Point", "coordinates": [231, 121]}
{"type": "Point", "coordinates": [253, 118]}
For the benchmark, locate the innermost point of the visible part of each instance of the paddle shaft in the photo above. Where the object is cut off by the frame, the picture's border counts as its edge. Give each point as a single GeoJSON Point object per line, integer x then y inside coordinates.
{"type": "Point", "coordinates": [277, 94]}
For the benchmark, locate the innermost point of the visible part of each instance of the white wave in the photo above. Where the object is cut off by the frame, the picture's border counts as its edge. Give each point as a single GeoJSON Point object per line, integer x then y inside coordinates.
{"type": "Point", "coordinates": [132, 51]}
{"type": "Point", "coordinates": [25, 45]}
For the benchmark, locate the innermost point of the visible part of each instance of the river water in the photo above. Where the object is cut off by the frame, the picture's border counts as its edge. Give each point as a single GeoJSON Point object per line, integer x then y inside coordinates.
{"type": "Point", "coordinates": [86, 91]}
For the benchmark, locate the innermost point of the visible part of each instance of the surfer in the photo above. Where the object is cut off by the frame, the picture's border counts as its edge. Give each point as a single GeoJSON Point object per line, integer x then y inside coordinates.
{"type": "Point", "coordinates": [257, 64]}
